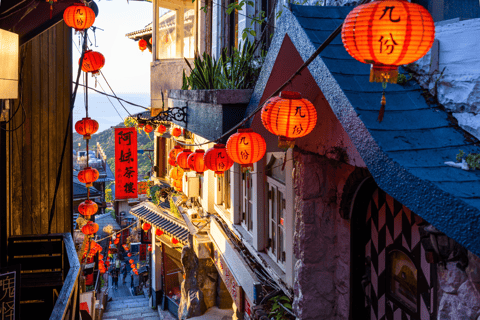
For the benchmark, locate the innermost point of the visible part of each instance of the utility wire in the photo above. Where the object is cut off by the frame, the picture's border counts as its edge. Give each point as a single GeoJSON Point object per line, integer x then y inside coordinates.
{"type": "Point", "coordinates": [111, 102]}
{"type": "Point", "coordinates": [114, 93]}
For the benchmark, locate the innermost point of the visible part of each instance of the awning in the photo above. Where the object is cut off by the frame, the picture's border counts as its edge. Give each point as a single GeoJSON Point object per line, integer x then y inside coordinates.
{"type": "Point", "coordinates": [159, 219]}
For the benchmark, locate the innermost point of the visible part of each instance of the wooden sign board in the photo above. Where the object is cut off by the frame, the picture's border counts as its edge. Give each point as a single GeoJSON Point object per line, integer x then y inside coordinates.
{"type": "Point", "coordinates": [228, 278]}
{"type": "Point", "coordinates": [10, 293]}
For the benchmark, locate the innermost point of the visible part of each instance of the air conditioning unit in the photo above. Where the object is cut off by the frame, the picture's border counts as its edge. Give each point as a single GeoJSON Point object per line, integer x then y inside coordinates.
{"type": "Point", "coordinates": [192, 186]}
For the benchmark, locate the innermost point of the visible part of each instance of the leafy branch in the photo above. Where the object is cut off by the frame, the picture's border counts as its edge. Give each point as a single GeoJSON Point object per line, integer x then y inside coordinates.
{"type": "Point", "coordinates": [472, 159]}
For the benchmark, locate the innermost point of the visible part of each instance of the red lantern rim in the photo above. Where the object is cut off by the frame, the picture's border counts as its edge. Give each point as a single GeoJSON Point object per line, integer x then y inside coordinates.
{"type": "Point", "coordinates": [290, 95]}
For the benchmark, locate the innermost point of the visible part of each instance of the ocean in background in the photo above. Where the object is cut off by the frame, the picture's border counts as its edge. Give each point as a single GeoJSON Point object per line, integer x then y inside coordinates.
{"type": "Point", "coordinates": [100, 109]}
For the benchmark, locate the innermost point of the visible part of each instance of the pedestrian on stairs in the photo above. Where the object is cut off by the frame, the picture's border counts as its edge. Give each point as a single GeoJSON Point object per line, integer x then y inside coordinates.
{"type": "Point", "coordinates": [115, 278]}
{"type": "Point", "coordinates": [124, 273]}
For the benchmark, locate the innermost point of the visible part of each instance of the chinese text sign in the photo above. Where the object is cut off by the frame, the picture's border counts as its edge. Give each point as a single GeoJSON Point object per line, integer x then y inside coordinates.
{"type": "Point", "coordinates": [125, 163]}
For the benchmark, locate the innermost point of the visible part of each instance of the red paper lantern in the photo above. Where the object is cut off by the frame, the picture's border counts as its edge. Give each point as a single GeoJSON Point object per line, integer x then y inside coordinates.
{"type": "Point", "coordinates": [79, 17]}
{"type": "Point", "coordinates": [174, 152]}
{"type": "Point", "coordinates": [146, 226]}
{"type": "Point", "coordinates": [177, 183]}
{"type": "Point", "coordinates": [131, 261]}
{"type": "Point", "coordinates": [88, 208]}
{"type": "Point", "coordinates": [86, 127]}
{"type": "Point", "coordinates": [129, 254]}
{"type": "Point", "coordinates": [172, 162]}
{"type": "Point", "coordinates": [161, 129]}
{"type": "Point", "coordinates": [246, 147]}
{"type": "Point", "coordinates": [196, 162]}
{"type": "Point", "coordinates": [176, 173]}
{"type": "Point", "coordinates": [90, 228]}
{"type": "Point", "coordinates": [142, 44]}
{"type": "Point", "coordinates": [116, 241]}
{"type": "Point", "coordinates": [159, 232]}
{"type": "Point", "coordinates": [289, 117]}
{"type": "Point", "coordinates": [88, 176]}
{"type": "Point", "coordinates": [148, 128]}
{"type": "Point", "coordinates": [100, 256]}
{"type": "Point", "coordinates": [132, 266]}
{"type": "Point", "coordinates": [149, 249]}
{"type": "Point", "coordinates": [174, 241]}
{"type": "Point", "coordinates": [92, 62]}
{"type": "Point", "coordinates": [136, 272]}
{"type": "Point", "coordinates": [387, 34]}
{"type": "Point", "coordinates": [176, 132]}
{"type": "Point", "coordinates": [182, 159]}
{"type": "Point", "coordinates": [217, 159]}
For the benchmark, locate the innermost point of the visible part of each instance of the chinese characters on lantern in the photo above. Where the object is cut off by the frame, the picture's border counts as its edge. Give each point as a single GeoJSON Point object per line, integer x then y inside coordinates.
{"type": "Point", "coordinates": [125, 163]}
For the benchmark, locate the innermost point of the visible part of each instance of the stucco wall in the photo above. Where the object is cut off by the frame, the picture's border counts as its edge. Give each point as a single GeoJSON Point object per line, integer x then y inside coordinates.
{"type": "Point", "coordinates": [321, 240]}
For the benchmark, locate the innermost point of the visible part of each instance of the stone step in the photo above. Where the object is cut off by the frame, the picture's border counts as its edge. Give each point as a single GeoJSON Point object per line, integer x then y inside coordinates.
{"type": "Point", "coordinates": [129, 297]}
{"type": "Point", "coordinates": [122, 305]}
{"type": "Point", "coordinates": [125, 312]}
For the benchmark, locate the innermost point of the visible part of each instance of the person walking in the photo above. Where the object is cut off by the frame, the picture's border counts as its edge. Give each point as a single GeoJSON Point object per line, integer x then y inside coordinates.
{"type": "Point", "coordinates": [124, 272]}
{"type": "Point", "coordinates": [115, 278]}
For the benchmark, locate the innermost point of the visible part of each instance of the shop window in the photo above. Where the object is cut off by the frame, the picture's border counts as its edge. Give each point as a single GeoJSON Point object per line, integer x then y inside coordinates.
{"type": "Point", "coordinates": [176, 38]}
{"type": "Point", "coordinates": [173, 279]}
{"type": "Point", "coordinates": [276, 221]}
{"type": "Point", "coordinates": [402, 280]}
{"type": "Point", "coordinates": [224, 190]}
{"type": "Point", "coordinates": [247, 204]}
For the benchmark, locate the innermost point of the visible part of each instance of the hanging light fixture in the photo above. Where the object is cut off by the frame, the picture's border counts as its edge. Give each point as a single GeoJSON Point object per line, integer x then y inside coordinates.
{"type": "Point", "coordinates": [93, 61]}
{"type": "Point", "coordinates": [159, 232]}
{"type": "Point", "coordinates": [88, 176]}
{"type": "Point", "coordinates": [148, 128]}
{"type": "Point", "coordinates": [217, 159]}
{"type": "Point", "coordinates": [86, 127]}
{"type": "Point", "coordinates": [161, 129]}
{"type": "Point", "coordinates": [176, 173]}
{"type": "Point", "coordinates": [289, 117]}
{"type": "Point", "coordinates": [88, 208]}
{"type": "Point", "coordinates": [79, 17]}
{"type": "Point", "coordinates": [182, 159]}
{"type": "Point", "coordinates": [196, 162]}
{"type": "Point", "coordinates": [246, 147]}
{"type": "Point", "coordinates": [176, 132]}
{"type": "Point", "coordinates": [146, 226]}
{"type": "Point", "coordinates": [142, 45]}
{"type": "Point", "coordinates": [90, 228]}
{"type": "Point", "coordinates": [174, 241]}
{"type": "Point", "coordinates": [172, 162]}
{"type": "Point", "coordinates": [174, 152]}
{"type": "Point", "coordinates": [388, 34]}
{"type": "Point", "coordinates": [131, 261]}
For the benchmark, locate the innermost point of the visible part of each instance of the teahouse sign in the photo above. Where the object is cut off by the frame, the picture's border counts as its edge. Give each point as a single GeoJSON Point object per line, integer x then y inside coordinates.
{"type": "Point", "coordinates": [126, 168]}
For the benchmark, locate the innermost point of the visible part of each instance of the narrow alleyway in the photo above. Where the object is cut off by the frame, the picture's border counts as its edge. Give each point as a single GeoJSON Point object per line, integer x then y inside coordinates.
{"type": "Point", "coordinates": [123, 305]}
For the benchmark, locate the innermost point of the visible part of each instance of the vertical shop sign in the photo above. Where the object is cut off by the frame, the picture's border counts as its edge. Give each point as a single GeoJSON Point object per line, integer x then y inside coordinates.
{"type": "Point", "coordinates": [143, 252]}
{"type": "Point", "coordinates": [146, 237]}
{"type": "Point", "coordinates": [125, 234]}
{"type": "Point", "coordinates": [126, 168]}
{"type": "Point", "coordinates": [232, 285]}
{"type": "Point", "coordinates": [9, 293]}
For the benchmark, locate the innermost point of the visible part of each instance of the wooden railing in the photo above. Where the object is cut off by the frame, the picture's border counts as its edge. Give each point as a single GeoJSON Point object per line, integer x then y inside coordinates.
{"type": "Point", "coordinates": [67, 306]}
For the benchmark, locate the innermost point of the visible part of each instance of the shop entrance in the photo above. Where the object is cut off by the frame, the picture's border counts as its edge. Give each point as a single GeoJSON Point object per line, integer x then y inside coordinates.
{"type": "Point", "coordinates": [391, 278]}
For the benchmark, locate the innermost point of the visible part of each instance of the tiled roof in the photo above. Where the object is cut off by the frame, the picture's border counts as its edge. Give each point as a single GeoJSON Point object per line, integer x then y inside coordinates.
{"type": "Point", "coordinates": [159, 219]}
{"type": "Point", "coordinates": [406, 152]}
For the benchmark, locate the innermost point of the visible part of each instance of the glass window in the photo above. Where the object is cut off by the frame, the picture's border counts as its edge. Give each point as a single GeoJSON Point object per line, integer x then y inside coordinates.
{"type": "Point", "coordinates": [276, 217]}
{"type": "Point", "coordinates": [224, 190]}
{"type": "Point", "coordinates": [246, 199]}
{"type": "Point", "coordinates": [275, 166]}
{"type": "Point", "coordinates": [176, 38]}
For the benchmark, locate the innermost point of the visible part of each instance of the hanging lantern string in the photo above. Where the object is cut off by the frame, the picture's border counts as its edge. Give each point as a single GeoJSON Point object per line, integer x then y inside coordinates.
{"type": "Point", "coordinates": [115, 233]}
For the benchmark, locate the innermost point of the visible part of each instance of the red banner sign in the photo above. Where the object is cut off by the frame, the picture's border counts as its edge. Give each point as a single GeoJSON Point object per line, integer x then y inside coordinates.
{"type": "Point", "coordinates": [143, 252]}
{"type": "Point", "coordinates": [126, 167]}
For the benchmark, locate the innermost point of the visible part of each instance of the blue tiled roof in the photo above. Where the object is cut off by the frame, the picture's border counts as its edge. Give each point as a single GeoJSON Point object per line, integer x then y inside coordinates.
{"type": "Point", "coordinates": [406, 152]}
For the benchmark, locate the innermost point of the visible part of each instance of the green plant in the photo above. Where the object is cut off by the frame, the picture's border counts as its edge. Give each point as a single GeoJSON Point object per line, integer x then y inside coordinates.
{"type": "Point", "coordinates": [111, 211]}
{"type": "Point", "coordinates": [108, 195]}
{"type": "Point", "coordinates": [402, 78]}
{"type": "Point", "coordinates": [205, 74]}
{"type": "Point", "coordinates": [152, 193]}
{"type": "Point", "coordinates": [472, 159]}
{"type": "Point", "coordinates": [279, 308]}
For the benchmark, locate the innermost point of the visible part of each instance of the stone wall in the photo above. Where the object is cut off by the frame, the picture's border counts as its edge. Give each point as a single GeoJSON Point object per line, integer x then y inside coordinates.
{"type": "Point", "coordinates": [321, 240]}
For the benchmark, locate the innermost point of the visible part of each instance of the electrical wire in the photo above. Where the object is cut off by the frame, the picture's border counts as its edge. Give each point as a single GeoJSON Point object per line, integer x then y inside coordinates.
{"type": "Point", "coordinates": [114, 93]}
{"type": "Point", "coordinates": [111, 102]}
{"type": "Point", "coordinates": [115, 232]}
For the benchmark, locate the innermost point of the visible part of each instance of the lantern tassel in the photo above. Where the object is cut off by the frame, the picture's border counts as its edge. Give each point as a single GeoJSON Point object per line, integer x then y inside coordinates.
{"type": "Point", "coordinates": [382, 108]}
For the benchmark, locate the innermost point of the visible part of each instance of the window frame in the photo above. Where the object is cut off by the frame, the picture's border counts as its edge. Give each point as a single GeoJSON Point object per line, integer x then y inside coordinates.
{"type": "Point", "coordinates": [246, 202]}
{"type": "Point", "coordinates": [274, 188]}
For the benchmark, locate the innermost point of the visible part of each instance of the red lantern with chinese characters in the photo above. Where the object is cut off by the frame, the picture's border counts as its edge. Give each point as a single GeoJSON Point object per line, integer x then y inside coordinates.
{"type": "Point", "coordinates": [146, 226]}
{"type": "Point", "coordinates": [217, 159]}
{"type": "Point", "coordinates": [387, 34]}
{"type": "Point", "coordinates": [88, 176]}
{"type": "Point", "coordinates": [86, 127]}
{"type": "Point", "coordinates": [176, 173]}
{"type": "Point", "coordinates": [246, 147]}
{"type": "Point", "coordinates": [172, 162]}
{"type": "Point", "coordinates": [196, 162]}
{"type": "Point", "coordinates": [174, 152]}
{"type": "Point", "coordinates": [93, 61]}
{"type": "Point", "coordinates": [289, 117]}
{"type": "Point", "coordinates": [161, 129]}
{"type": "Point", "coordinates": [90, 228]}
{"type": "Point", "coordinates": [142, 44]}
{"type": "Point", "coordinates": [174, 241]}
{"type": "Point", "coordinates": [176, 132]}
{"type": "Point", "coordinates": [159, 232]}
{"type": "Point", "coordinates": [131, 261]}
{"type": "Point", "coordinates": [79, 17]}
{"type": "Point", "coordinates": [148, 128]}
{"type": "Point", "coordinates": [182, 159]}
{"type": "Point", "coordinates": [87, 208]}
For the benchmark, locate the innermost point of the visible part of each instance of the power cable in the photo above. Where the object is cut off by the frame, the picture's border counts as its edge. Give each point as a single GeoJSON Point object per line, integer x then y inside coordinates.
{"type": "Point", "coordinates": [111, 102]}
{"type": "Point", "coordinates": [114, 93]}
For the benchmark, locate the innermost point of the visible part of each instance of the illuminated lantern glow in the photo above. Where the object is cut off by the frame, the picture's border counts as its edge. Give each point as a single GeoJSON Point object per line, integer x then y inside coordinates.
{"type": "Point", "coordinates": [148, 128]}
{"type": "Point", "coordinates": [176, 173]}
{"type": "Point", "coordinates": [90, 228]}
{"type": "Point", "coordinates": [88, 208]}
{"type": "Point", "coordinates": [146, 226]}
{"type": "Point", "coordinates": [86, 127]}
{"type": "Point", "coordinates": [136, 272]}
{"type": "Point", "coordinates": [196, 162]}
{"type": "Point", "coordinates": [79, 17]}
{"type": "Point", "coordinates": [131, 261]}
{"type": "Point", "coordinates": [142, 44]}
{"type": "Point", "coordinates": [150, 40]}
{"type": "Point", "coordinates": [289, 117]}
{"type": "Point", "coordinates": [141, 125]}
{"type": "Point", "coordinates": [159, 232]}
{"type": "Point", "coordinates": [177, 183]}
{"type": "Point", "coordinates": [129, 254]}
{"type": "Point", "coordinates": [246, 147]}
{"type": "Point", "coordinates": [100, 256]}
{"type": "Point", "coordinates": [93, 61]}
{"type": "Point", "coordinates": [150, 249]}
{"type": "Point", "coordinates": [116, 241]}
{"type": "Point", "coordinates": [174, 241]}
{"type": "Point", "coordinates": [182, 159]}
{"type": "Point", "coordinates": [172, 162]}
{"type": "Point", "coordinates": [387, 34]}
{"type": "Point", "coordinates": [132, 266]}
{"type": "Point", "coordinates": [217, 159]}
{"type": "Point", "coordinates": [176, 132]}
{"type": "Point", "coordinates": [88, 176]}
{"type": "Point", "coordinates": [161, 129]}
{"type": "Point", "coordinates": [174, 152]}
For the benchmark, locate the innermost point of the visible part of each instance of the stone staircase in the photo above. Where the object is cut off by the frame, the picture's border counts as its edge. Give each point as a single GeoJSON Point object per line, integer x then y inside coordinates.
{"type": "Point", "coordinates": [131, 308]}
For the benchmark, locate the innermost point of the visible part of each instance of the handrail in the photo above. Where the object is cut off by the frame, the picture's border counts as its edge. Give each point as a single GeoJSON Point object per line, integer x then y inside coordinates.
{"type": "Point", "coordinates": [71, 281]}
{"type": "Point", "coordinates": [98, 283]}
